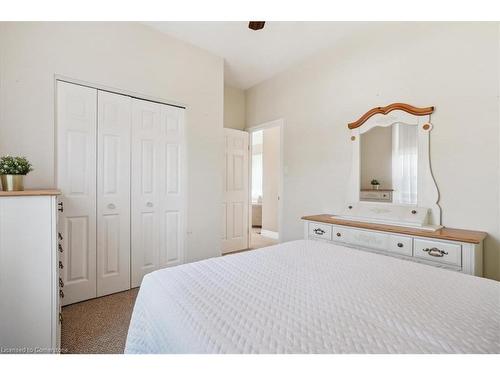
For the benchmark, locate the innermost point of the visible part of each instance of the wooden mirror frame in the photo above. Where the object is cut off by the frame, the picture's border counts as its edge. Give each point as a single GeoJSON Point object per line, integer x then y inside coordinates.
{"type": "Point", "coordinates": [428, 194]}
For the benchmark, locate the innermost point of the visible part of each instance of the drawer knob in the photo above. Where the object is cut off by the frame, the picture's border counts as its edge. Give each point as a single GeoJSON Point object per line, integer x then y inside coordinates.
{"type": "Point", "coordinates": [350, 207]}
{"type": "Point", "coordinates": [400, 244]}
{"type": "Point", "coordinates": [339, 234]}
{"type": "Point", "coordinates": [413, 212]}
{"type": "Point", "coordinates": [435, 252]}
{"type": "Point", "coordinates": [319, 231]}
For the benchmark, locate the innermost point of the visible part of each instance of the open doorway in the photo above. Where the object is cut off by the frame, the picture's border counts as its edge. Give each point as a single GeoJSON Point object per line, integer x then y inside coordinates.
{"type": "Point", "coordinates": [265, 184]}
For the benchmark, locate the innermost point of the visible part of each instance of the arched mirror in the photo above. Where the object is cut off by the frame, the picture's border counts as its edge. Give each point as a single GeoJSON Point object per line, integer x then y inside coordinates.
{"type": "Point", "coordinates": [391, 179]}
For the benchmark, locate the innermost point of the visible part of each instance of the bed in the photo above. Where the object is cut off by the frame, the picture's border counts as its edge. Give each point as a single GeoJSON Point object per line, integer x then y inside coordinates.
{"type": "Point", "coordinates": [314, 297]}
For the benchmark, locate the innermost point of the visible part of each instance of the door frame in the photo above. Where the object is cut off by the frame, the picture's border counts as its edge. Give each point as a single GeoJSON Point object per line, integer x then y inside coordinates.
{"type": "Point", "coordinates": [280, 123]}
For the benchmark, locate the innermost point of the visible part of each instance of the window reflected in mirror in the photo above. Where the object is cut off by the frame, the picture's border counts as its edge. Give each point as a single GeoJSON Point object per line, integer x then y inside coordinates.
{"type": "Point", "coordinates": [389, 164]}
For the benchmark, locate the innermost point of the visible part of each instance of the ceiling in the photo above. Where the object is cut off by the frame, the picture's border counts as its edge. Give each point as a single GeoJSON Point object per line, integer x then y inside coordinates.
{"type": "Point", "coordinates": [254, 56]}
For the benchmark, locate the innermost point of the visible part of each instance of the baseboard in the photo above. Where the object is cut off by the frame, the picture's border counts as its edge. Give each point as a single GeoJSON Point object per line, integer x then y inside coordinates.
{"type": "Point", "coordinates": [269, 234]}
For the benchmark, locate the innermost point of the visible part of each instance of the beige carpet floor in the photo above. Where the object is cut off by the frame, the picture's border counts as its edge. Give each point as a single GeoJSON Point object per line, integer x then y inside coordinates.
{"type": "Point", "coordinates": [98, 325]}
{"type": "Point", "coordinates": [257, 240]}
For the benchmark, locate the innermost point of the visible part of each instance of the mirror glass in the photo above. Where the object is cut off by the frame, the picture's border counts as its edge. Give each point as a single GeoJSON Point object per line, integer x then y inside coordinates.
{"type": "Point", "coordinates": [389, 164]}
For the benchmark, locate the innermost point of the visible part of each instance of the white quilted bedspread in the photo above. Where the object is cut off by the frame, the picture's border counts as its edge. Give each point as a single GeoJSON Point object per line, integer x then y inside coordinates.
{"type": "Point", "coordinates": [314, 297]}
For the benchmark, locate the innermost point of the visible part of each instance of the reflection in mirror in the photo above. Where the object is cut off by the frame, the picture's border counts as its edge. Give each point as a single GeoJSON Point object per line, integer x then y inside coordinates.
{"type": "Point", "coordinates": [389, 164]}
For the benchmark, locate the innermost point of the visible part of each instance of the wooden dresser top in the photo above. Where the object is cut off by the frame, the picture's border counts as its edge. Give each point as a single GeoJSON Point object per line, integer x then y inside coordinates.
{"type": "Point", "coordinates": [451, 234]}
{"type": "Point", "coordinates": [25, 193]}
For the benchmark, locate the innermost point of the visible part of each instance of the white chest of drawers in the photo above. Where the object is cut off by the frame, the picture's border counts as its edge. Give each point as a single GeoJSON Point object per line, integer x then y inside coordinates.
{"type": "Point", "coordinates": [454, 249]}
{"type": "Point", "coordinates": [29, 273]}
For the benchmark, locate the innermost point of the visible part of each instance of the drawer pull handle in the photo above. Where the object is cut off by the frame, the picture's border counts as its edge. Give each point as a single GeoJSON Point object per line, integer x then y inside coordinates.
{"type": "Point", "coordinates": [319, 231]}
{"type": "Point", "coordinates": [400, 244]}
{"type": "Point", "coordinates": [339, 235]}
{"type": "Point", "coordinates": [435, 252]}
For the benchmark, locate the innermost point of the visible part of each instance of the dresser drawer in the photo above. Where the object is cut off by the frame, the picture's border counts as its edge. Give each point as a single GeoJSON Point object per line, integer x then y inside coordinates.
{"type": "Point", "coordinates": [340, 234]}
{"type": "Point", "coordinates": [372, 240]}
{"type": "Point", "coordinates": [320, 231]}
{"type": "Point", "coordinates": [401, 245]}
{"type": "Point", "coordinates": [442, 252]}
{"type": "Point", "coordinates": [375, 195]}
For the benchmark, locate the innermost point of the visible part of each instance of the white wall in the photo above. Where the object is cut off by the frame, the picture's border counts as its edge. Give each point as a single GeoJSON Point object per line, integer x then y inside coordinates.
{"type": "Point", "coordinates": [453, 66]}
{"type": "Point", "coordinates": [234, 108]}
{"type": "Point", "coordinates": [128, 56]}
{"type": "Point", "coordinates": [376, 157]}
{"type": "Point", "coordinates": [270, 178]}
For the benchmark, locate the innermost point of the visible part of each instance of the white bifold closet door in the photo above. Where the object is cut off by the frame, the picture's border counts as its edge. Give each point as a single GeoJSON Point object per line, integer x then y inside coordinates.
{"type": "Point", "coordinates": [120, 171]}
{"type": "Point", "coordinates": [113, 192]}
{"type": "Point", "coordinates": [76, 176]}
{"type": "Point", "coordinates": [157, 188]}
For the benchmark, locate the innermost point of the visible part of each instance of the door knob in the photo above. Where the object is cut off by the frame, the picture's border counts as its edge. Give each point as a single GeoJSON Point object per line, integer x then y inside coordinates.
{"type": "Point", "coordinates": [149, 204]}
{"type": "Point", "coordinates": [111, 206]}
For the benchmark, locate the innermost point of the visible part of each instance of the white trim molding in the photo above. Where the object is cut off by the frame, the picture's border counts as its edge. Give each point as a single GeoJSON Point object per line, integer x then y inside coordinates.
{"type": "Point", "coordinates": [266, 125]}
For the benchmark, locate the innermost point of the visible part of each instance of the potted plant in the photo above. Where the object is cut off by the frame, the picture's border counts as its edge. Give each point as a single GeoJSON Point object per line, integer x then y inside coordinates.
{"type": "Point", "coordinates": [12, 172]}
{"type": "Point", "coordinates": [375, 184]}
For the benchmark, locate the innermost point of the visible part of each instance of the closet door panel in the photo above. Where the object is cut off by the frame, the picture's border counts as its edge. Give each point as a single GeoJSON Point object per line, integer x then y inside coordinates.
{"type": "Point", "coordinates": [146, 158]}
{"type": "Point", "coordinates": [172, 196]}
{"type": "Point", "coordinates": [76, 178]}
{"type": "Point", "coordinates": [113, 195]}
{"type": "Point", "coordinates": [172, 191]}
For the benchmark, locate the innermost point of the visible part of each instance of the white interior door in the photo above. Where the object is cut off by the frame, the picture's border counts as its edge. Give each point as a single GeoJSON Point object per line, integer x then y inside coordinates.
{"type": "Point", "coordinates": [76, 178]}
{"type": "Point", "coordinates": [113, 193]}
{"type": "Point", "coordinates": [235, 205]}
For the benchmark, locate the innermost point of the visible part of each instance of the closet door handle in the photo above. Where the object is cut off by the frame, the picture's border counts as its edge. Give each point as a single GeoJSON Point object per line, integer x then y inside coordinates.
{"type": "Point", "coordinates": [149, 204]}
{"type": "Point", "coordinates": [111, 206]}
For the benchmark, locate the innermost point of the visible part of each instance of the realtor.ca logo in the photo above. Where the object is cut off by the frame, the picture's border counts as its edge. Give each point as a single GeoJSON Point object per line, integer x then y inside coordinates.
{"type": "Point", "coordinates": [29, 350]}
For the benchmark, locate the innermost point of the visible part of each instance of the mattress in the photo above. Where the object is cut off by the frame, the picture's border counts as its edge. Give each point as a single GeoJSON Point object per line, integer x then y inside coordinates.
{"type": "Point", "coordinates": [314, 297]}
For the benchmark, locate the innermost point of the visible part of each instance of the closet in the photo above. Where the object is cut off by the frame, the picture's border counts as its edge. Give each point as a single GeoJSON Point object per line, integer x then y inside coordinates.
{"type": "Point", "coordinates": [120, 169]}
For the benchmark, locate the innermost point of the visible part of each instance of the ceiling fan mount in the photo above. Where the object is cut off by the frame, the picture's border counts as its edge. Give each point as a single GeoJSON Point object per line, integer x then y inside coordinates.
{"type": "Point", "coordinates": [256, 25]}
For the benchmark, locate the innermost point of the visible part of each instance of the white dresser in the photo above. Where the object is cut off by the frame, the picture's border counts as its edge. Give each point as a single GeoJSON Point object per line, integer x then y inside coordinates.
{"type": "Point", "coordinates": [29, 272]}
{"type": "Point", "coordinates": [456, 249]}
